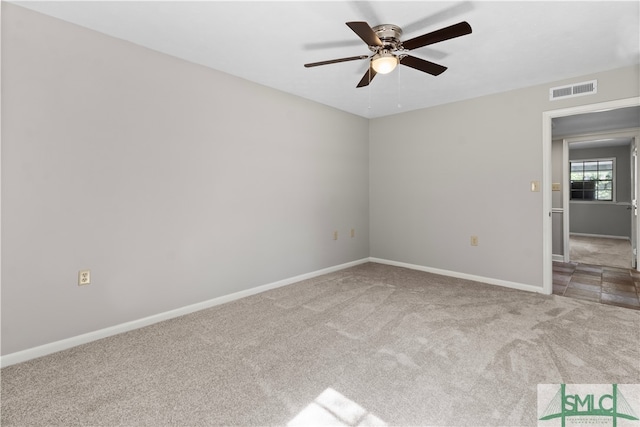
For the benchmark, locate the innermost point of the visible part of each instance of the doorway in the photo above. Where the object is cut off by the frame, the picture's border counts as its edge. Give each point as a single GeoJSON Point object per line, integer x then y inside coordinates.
{"type": "Point", "coordinates": [597, 193]}
{"type": "Point", "coordinates": [547, 205]}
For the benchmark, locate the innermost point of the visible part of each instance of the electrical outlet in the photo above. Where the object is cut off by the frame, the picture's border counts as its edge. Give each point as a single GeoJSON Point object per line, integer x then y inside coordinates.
{"type": "Point", "coordinates": [335, 235]}
{"type": "Point", "coordinates": [474, 240]}
{"type": "Point", "coordinates": [84, 277]}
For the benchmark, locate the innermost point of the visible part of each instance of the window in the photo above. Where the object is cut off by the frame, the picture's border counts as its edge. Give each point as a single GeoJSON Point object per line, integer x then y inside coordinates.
{"type": "Point", "coordinates": [592, 179]}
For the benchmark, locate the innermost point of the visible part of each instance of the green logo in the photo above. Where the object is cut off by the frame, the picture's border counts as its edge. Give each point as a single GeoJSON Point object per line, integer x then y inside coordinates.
{"type": "Point", "coordinates": [589, 406]}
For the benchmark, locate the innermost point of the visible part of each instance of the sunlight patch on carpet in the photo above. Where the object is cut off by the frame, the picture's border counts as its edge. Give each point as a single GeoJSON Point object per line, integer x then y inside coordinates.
{"type": "Point", "coordinates": [333, 408]}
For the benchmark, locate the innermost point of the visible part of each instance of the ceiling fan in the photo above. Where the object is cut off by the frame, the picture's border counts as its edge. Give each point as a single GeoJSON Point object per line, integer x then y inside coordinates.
{"type": "Point", "coordinates": [389, 51]}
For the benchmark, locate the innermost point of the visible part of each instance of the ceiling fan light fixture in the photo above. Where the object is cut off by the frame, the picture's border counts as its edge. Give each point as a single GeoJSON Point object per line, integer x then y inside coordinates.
{"type": "Point", "coordinates": [384, 41]}
{"type": "Point", "coordinates": [384, 62]}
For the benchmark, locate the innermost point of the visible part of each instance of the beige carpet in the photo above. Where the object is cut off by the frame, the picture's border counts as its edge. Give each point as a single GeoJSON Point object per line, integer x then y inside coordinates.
{"type": "Point", "coordinates": [370, 345]}
{"type": "Point", "coordinates": [600, 251]}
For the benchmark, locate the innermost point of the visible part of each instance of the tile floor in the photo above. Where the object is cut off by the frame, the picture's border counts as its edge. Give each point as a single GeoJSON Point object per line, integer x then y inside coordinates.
{"type": "Point", "coordinates": [607, 285]}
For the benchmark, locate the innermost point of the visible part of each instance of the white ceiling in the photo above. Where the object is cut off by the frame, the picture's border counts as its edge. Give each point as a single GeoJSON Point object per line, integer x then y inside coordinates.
{"type": "Point", "coordinates": [601, 121]}
{"type": "Point", "coordinates": [513, 44]}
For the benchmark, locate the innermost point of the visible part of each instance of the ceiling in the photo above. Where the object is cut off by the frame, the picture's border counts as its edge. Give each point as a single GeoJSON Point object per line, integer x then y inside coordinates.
{"type": "Point", "coordinates": [597, 123]}
{"type": "Point", "coordinates": [513, 44]}
{"type": "Point", "coordinates": [581, 124]}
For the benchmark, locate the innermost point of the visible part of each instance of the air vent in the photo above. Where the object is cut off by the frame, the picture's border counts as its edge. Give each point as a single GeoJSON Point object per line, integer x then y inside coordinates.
{"type": "Point", "coordinates": [571, 91]}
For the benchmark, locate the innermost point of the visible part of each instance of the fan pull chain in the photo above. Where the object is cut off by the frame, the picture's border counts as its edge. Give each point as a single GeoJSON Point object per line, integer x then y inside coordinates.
{"type": "Point", "coordinates": [398, 88]}
{"type": "Point", "coordinates": [369, 88]}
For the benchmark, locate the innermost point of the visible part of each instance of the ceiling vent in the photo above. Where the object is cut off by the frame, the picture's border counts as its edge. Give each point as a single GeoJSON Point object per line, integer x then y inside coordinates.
{"type": "Point", "coordinates": [573, 90]}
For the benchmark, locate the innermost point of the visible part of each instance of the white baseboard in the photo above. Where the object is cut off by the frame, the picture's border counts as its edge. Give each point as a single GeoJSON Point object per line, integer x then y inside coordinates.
{"type": "Point", "coordinates": [43, 350]}
{"type": "Point", "coordinates": [488, 280]}
{"type": "Point", "coordinates": [559, 258]}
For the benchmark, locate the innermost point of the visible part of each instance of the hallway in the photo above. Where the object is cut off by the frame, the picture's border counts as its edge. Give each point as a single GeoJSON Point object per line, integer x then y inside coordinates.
{"type": "Point", "coordinates": [606, 285]}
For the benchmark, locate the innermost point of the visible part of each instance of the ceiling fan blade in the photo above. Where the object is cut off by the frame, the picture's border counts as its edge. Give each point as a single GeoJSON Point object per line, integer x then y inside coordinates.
{"type": "Point", "coordinates": [368, 76]}
{"type": "Point", "coordinates": [364, 31]}
{"type": "Point", "coordinates": [334, 61]}
{"type": "Point", "coordinates": [450, 32]}
{"type": "Point", "coordinates": [422, 65]}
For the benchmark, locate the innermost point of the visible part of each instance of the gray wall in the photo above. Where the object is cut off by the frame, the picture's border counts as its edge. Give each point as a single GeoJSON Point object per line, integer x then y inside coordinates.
{"type": "Point", "coordinates": [442, 174]}
{"type": "Point", "coordinates": [173, 183]}
{"type": "Point", "coordinates": [168, 179]}
{"type": "Point", "coordinates": [609, 219]}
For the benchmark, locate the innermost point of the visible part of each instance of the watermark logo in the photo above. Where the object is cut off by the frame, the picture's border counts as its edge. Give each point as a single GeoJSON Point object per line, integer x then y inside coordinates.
{"type": "Point", "coordinates": [593, 405]}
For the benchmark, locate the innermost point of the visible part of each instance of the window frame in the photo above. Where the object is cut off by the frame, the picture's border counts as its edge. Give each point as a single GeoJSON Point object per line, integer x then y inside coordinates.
{"type": "Point", "coordinates": [613, 180]}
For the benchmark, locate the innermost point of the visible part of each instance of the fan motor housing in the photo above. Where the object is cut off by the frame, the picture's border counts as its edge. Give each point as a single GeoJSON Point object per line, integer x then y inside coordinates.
{"type": "Point", "coordinates": [388, 34]}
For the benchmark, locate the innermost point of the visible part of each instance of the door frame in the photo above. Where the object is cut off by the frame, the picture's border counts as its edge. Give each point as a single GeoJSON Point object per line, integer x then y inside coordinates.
{"type": "Point", "coordinates": [635, 233]}
{"type": "Point", "coordinates": [547, 117]}
{"type": "Point", "coordinates": [566, 186]}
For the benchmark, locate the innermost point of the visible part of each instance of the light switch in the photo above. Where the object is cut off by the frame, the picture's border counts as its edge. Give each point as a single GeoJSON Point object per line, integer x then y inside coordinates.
{"type": "Point", "coordinates": [535, 185]}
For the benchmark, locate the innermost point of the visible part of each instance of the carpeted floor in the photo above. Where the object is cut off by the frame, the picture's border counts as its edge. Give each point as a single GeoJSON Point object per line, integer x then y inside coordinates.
{"type": "Point", "coordinates": [600, 251]}
{"type": "Point", "coordinates": [370, 345]}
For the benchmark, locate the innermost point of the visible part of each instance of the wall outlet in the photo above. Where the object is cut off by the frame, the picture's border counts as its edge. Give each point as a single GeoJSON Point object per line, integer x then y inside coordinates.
{"type": "Point", "coordinates": [84, 277]}
{"type": "Point", "coordinates": [335, 235]}
{"type": "Point", "coordinates": [474, 240]}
